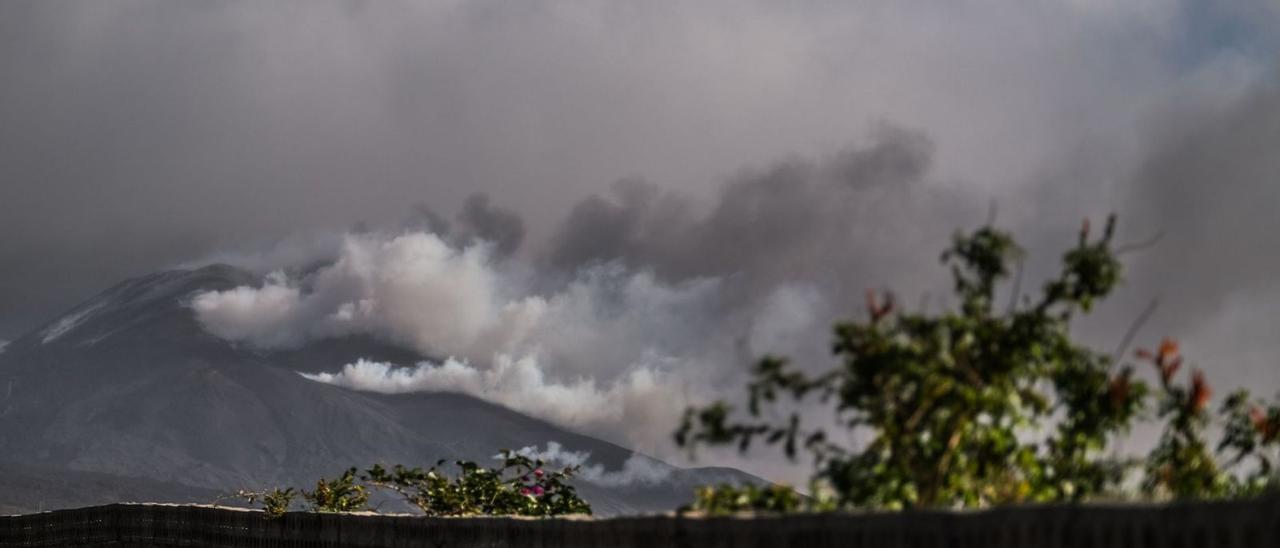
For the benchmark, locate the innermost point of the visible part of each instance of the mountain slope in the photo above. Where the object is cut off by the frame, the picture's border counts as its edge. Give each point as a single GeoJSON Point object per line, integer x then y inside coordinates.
{"type": "Point", "coordinates": [26, 489]}
{"type": "Point", "coordinates": [128, 384]}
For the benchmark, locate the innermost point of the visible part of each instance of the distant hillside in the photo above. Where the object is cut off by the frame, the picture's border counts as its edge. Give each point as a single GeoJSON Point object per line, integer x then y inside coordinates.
{"type": "Point", "coordinates": [25, 489]}
{"type": "Point", "coordinates": [129, 385]}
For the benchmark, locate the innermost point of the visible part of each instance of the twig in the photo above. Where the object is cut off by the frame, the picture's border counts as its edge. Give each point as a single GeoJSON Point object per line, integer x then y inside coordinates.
{"type": "Point", "coordinates": [1142, 244]}
{"type": "Point", "coordinates": [1133, 330]}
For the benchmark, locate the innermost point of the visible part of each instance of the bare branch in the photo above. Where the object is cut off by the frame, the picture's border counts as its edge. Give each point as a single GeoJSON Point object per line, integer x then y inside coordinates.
{"type": "Point", "coordinates": [1141, 244]}
{"type": "Point", "coordinates": [1133, 330]}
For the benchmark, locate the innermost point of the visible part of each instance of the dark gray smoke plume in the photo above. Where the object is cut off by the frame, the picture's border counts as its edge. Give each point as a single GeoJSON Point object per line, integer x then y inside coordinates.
{"type": "Point", "coordinates": [1212, 185]}
{"type": "Point", "coordinates": [502, 227]}
{"type": "Point", "coordinates": [844, 222]}
{"type": "Point", "coordinates": [478, 221]}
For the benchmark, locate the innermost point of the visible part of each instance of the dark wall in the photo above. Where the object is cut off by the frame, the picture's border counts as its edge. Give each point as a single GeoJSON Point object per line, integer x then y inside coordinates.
{"type": "Point", "coordinates": [1206, 525]}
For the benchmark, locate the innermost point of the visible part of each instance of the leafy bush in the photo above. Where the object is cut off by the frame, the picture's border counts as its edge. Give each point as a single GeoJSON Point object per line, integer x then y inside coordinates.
{"type": "Point", "coordinates": [1251, 436]}
{"type": "Point", "coordinates": [730, 499]}
{"type": "Point", "coordinates": [519, 486]}
{"type": "Point", "coordinates": [985, 404]}
{"type": "Point", "coordinates": [339, 495]}
{"type": "Point", "coordinates": [1181, 464]}
{"type": "Point", "coordinates": [275, 502]}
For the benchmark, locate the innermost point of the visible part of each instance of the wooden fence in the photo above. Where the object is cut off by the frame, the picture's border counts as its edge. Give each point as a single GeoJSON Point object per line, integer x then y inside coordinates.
{"type": "Point", "coordinates": [1207, 525]}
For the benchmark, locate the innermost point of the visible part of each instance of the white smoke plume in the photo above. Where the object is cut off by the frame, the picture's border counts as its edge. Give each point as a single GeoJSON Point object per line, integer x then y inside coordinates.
{"type": "Point", "coordinates": [613, 352]}
{"type": "Point", "coordinates": [411, 288]}
{"type": "Point", "coordinates": [645, 402]}
{"type": "Point", "coordinates": [636, 470]}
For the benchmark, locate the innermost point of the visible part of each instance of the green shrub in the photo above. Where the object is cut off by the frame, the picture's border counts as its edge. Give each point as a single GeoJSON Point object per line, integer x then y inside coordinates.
{"type": "Point", "coordinates": [274, 502]}
{"type": "Point", "coordinates": [985, 404]}
{"type": "Point", "coordinates": [730, 499]}
{"type": "Point", "coordinates": [519, 486]}
{"type": "Point", "coordinates": [339, 495]}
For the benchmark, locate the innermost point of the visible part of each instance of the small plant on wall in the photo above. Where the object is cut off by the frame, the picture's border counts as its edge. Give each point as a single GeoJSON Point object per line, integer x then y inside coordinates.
{"type": "Point", "coordinates": [520, 486]}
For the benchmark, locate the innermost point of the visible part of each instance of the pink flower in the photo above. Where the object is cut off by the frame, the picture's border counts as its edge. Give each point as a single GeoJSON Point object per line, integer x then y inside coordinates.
{"type": "Point", "coordinates": [537, 490]}
{"type": "Point", "coordinates": [538, 472]}
{"type": "Point", "coordinates": [524, 491]}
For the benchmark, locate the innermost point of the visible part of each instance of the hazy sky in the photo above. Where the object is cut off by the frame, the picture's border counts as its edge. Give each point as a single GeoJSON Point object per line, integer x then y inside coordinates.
{"type": "Point", "coordinates": [141, 134]}
{"type": "Point", "coordinates": [135, 134]}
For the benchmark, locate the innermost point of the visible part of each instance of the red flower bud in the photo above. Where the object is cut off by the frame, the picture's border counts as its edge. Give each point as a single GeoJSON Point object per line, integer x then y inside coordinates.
{"type": "Point", "coordinates": [1258, 418]}
{"type": "Point", "coordinates": [1165, 359]}
{"type": "Point", "coordinates": [878, 310]}
{"type": "Point", "coordinates": [1169, 369]}
{"type": "Point", "coordinates": [1200, 391]}
{"type": "Point", "coordinates": [1263, 424]}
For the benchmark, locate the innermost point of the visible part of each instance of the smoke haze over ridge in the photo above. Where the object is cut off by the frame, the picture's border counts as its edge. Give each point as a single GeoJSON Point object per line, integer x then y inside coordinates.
{"type": "Point", "coordinates": [689, 185]}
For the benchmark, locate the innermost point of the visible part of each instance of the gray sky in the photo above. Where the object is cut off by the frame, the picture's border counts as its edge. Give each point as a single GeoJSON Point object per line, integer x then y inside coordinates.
{"type": "Point", "coordinates": [140, 134]}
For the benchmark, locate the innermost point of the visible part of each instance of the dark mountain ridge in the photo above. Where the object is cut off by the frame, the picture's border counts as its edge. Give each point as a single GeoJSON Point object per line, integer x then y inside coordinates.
{"type": "Point", "coordinates": [129, 385]}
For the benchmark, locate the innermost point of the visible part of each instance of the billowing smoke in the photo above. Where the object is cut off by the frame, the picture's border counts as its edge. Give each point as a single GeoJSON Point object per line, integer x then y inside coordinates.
{"type": "Point", "coordinates": [775, 224]}
{"type": "Point", "coordinates": [412, 288]}
{"type": "Point", "coordinates": [1211, 184]}
{"type": "Point", "coordinates": [478, 221]}
{"type": "Point", "coordinates": [646, 299]}
{"type": "Point", "coordinates": [641, 404]}
{"type": "Point", "coordinates": [639, 305]}
{"type": "Point", "coordinates": [636, 470]}
{"type": "Point", "coordinates": [613, 352]}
